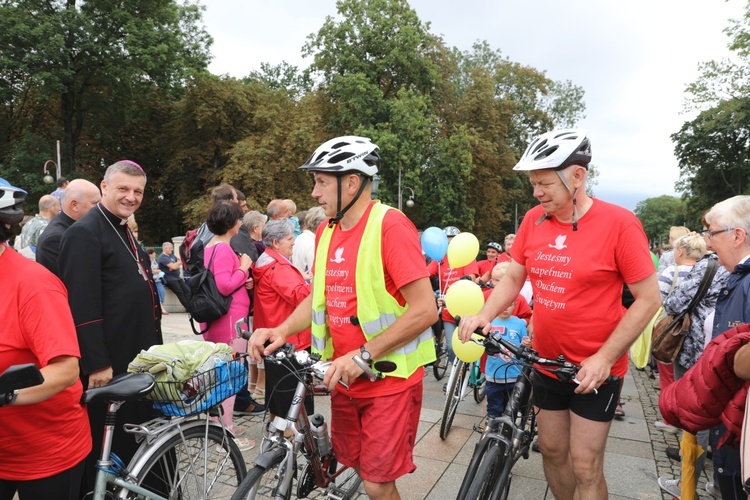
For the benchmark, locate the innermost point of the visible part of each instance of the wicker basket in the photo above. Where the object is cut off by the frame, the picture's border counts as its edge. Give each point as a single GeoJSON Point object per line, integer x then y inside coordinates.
{"type": "Point", "coordinates": [201, 391]}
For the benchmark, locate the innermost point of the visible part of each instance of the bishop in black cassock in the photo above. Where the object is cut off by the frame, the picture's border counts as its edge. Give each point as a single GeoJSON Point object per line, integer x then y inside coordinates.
{"type": "Point", "coordinates": [113, 299]}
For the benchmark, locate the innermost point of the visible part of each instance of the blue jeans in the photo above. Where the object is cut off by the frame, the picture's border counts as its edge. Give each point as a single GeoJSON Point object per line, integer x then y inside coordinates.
{"type": "Point", "coordinates": [448, 328]}
{"type": "Point", "coordinates": [160, 291]}
{"type": "Point", "coordinates": [497, 397]}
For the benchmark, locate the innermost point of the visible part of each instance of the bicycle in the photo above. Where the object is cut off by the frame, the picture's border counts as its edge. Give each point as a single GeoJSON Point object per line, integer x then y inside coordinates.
{"type": "Point", "coordinates": [277, 465]}
{"type": "Point", "coordinates": [183, 454]}
{"type": "Point", "coordinates": [457, 388]}
{"type": "Point", "coordinates": [507, 438]}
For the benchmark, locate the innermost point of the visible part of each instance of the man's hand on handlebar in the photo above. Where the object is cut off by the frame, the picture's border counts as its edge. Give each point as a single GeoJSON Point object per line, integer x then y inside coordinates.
{"type": "Point", "coordinates": [343, 368]}
{"type": "Point", "coordinates": [468, 324]}
{"type": "Point", "coordinates": [593, 373]}
{"type": "Point", "coordinates": [264, 341]}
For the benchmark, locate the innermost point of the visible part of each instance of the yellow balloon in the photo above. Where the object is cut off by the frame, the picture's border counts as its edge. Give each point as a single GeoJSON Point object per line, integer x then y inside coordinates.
{"type": "Point", "coordinates": [468, 352]}
{"type": "Point", "coordinates": [464, 298]}
{"type": "Point", "coordinates": [462, 249]}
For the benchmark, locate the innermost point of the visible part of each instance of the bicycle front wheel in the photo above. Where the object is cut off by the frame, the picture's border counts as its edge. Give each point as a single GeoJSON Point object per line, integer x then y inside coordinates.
{"type": "Point", "coordinates": [480, 388]}
{"type": "Point", "coordinates": [491, 481]}
{"type": "Point", "coordinates": [203, 462]}
{"type": "Point", "coordinates": [452, 398]}
{"type": "Point", "coordinates": [440, 366]}
{"type": "Point", "coordinates": [263, 482]}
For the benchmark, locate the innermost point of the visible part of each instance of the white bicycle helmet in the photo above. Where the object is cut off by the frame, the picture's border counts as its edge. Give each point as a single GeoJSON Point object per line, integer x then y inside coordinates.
{"type": "Point", "coordinates": [451, 231]}
{"type": "Point", "coordinates": [557, 150]}
{"type": "Point", "coordinates": [495, 245]}
{"type": "Point", "coordinates": [11, 203]}
{"type": "Point", "coordinates": [346, 154]}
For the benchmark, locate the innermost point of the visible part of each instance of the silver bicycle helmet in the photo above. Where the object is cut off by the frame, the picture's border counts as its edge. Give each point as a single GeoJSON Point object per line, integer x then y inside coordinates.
{"type": "Point", "coordinates": [343, 155]}
{"type": "Point", "coordinates": [451, 231]}
{"type": "Point", "coordinates": [495, 245]}
{"type": "Point", "coordinates": [11, 203]}
{"type": "Point", "coordinates": [557, 149]}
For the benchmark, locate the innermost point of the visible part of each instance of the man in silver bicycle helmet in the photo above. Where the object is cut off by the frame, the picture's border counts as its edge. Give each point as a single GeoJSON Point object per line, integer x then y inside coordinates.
{"type": "Point", "coordinates": [371, 298]}
{"type": "Point", "coordinates": [577, 251]}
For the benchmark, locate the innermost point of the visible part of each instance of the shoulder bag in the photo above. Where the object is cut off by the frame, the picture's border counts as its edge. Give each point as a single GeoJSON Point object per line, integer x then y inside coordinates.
{"type": "Point", "coordinates": [670, 331]}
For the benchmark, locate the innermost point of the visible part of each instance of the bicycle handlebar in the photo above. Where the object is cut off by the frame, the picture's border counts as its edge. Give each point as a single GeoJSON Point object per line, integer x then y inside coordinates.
{"type": "Point", "coordinates": [565, 370]}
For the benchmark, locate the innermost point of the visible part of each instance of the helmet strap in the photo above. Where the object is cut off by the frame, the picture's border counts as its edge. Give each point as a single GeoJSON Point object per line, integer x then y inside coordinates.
{"type": "Point", "coordinates": [573, 193]}
{"type": "Point", "coordinates": [339, 212]}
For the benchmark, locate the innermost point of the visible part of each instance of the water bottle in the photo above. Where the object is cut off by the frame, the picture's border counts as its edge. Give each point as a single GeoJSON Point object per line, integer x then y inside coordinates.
{"type": "Point", "coordinates": [319, 430]}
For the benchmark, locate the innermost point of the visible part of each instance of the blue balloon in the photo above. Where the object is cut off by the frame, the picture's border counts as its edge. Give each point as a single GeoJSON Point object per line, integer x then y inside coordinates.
{"type": "Point", "coordinates": [434, 243]}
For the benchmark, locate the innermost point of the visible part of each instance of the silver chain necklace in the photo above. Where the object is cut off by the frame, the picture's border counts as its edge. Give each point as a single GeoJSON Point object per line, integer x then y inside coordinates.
{"type": "Point", "coordinates": [132, 253]}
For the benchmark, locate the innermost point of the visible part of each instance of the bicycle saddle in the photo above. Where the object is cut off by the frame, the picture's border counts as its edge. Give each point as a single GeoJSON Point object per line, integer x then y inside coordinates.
{"type": "Point", "coordinates": [125, 387]}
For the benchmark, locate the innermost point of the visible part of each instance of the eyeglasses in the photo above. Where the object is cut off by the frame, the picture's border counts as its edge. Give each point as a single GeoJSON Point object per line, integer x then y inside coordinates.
{"type": "Point", "coordinates": [711, 234]}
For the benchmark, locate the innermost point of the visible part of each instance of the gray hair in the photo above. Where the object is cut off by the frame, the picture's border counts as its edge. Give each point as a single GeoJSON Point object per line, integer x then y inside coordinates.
{"type": "Point", "coordinates": [314, 217]}
{"type": "Point", "coordinates": [275, 208]}
{"type": "Point", "coordinates": [47, 202]}
{"type": "Point", "coordinates": [167, 244]}
{"type": "Point", "coordinates": [254, 219]}
{"type": "Point", "coordinates": [126, 167]}
{"type": "Point", "coordinates": [731, 213]}
{"type": "Point", "coordinates": [276, 230]}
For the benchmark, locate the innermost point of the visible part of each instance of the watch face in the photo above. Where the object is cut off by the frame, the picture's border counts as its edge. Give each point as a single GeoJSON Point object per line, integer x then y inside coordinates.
{"type": "Point", "coordinates": [365, 354]}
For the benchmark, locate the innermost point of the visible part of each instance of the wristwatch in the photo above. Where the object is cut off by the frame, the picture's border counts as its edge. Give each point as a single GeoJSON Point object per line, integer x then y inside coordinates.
{"type": "Point", "coordinates": [10, 398]}
{"type": "Point", "coordinates": [366, 356]}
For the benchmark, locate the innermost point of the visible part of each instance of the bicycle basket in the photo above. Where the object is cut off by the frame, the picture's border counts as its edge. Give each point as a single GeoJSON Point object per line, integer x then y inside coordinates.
{"type": "Point", "coordinates": [201, 391]}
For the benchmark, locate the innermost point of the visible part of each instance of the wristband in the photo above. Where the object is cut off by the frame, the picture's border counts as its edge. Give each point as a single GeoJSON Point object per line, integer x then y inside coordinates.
{"type": "Point", "coordinates": [10, 398]}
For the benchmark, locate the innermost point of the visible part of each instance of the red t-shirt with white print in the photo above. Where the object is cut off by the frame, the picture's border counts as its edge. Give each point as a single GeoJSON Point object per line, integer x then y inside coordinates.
{"type": "Point", "coordinates": [577, 277]}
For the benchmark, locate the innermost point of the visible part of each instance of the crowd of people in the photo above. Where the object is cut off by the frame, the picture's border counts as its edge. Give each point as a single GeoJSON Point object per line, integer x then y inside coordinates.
{"type": "Point", "coordinates": [347, 280]}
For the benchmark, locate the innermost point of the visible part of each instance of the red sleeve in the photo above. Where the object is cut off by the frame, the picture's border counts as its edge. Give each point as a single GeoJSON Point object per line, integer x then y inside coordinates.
{"type": "Point", "coordinates": [522, 309]}
{"type": "Point", "coordinates": [432, 268]}
{"type": "Point", "coordinates": [289, 284]}
{"type": "Point", "coordinates": [632, 254]}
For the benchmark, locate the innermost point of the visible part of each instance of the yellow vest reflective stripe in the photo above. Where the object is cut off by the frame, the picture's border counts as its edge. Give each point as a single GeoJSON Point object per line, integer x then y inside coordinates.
{"type": "Point", "coordinates": [376, 308]}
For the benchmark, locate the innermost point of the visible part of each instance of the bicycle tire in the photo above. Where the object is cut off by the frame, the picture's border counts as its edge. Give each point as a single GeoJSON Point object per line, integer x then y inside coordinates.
{"type": "Point", "coordinates": [488, 473]}
{"type": "Point", "coordinates": [201, 462]}
{"type": "Point", "coordinates": [480, 389]}
{"type": "Point", "coordinates": [261, 482]}
{"type": "Point", "coordinates": [347, 482]}
{"type": "Point", "coordinates": [452, 399]}
{"type": "Point", "coordinates": [440, 366]}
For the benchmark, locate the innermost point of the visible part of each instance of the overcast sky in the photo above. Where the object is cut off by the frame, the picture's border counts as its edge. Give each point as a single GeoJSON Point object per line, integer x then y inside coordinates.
{"type": "Point", "coordinates": [633, 59]}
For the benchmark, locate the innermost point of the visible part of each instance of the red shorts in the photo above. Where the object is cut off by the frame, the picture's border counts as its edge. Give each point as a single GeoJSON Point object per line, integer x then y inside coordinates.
{"type": "Point", "coordinates": [377, 434]}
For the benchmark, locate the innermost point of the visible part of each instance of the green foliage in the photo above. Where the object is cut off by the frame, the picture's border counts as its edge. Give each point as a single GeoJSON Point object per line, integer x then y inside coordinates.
{"type": "Point", "coordinates": [117, 80]}
{"type": "Point", "coordinates": [659, 214]}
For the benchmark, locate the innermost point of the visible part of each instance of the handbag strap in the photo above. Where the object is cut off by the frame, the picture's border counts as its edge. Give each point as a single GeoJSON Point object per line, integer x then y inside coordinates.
{"type": "Point", "coordinates": [674, 278]}
{"type": "Point", "coordinates": [708, 277]}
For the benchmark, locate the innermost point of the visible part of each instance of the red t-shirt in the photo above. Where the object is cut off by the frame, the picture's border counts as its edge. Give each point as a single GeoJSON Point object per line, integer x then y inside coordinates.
{"type": "Point", "coordinates": [403, 263]}
{"type": "Point", "coordinates": [42, 439]}
{"type": "Point", "coordinates": [577, 277]}
{"type": "Point", "coordinates": [448, 276]}
{"type": "Point", "coordinates": [486, 266]}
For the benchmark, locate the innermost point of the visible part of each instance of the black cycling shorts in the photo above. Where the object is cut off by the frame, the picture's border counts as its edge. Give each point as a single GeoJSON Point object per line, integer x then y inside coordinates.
{"type": "Point", "coordinates": [552, 394]}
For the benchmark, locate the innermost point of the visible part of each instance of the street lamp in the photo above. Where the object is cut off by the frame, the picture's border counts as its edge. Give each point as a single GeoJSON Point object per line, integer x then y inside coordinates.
{"type": "Point", "coordinates": [47, 176]}
{"type": "Point", "coordinates": [410, 201]}
{"type": "Point", "coordinates": [48, 179]}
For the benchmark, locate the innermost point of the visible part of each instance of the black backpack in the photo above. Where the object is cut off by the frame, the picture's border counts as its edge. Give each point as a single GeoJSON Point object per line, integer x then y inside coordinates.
{"type": "Point", "coordinates": [206, 303]}
{"type": "Point", "coordinates": [191, 253]}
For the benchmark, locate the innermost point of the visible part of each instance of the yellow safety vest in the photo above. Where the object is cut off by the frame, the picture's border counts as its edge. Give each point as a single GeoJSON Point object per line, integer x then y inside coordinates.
{"type": "Point", "coordinates": [376, 308]}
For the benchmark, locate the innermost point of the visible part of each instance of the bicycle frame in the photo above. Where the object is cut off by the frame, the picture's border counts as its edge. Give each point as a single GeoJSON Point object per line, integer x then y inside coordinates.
{"type": "Point", "coordinates": [465, 384]}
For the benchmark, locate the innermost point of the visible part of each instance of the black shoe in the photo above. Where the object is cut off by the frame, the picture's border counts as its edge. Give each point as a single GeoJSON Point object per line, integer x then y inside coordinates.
{"type": "Point", "coordinates": [254, 408]}
{"type": "Point", "coordinates": [535, 446]}
{"type": "Point", "coordinates": [674, 454]}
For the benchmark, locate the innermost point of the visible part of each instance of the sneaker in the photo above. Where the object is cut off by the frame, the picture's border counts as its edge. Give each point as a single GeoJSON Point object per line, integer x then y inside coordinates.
{"type": "Point", "coordinates": [671, 486]}
{"type": "Point", "coordinates": [713, 491]}
{"type": "Point", "coordinates": [674, 454]}
{"type": "Point", "coordinates": [244, 444]}
{"type": "Point", "coordinates": [661, 424]}
{"type": "Point", "coordinates": [254, 408]}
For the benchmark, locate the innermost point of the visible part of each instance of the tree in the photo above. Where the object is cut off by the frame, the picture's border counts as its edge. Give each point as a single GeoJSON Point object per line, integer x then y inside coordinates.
{"type": "Point", "coordinates": [713, 152]}
{"type": "Point", "coordinates": [659, 214]}
{"type": "Point", "coordinates": [85, 55]}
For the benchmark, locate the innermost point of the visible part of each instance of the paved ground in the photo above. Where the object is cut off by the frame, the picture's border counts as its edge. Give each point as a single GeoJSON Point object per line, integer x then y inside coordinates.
{"type": "Point", "coordinates": [635, 450]}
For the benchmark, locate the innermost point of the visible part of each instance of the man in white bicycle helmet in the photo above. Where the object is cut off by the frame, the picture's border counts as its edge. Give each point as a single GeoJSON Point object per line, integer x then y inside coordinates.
{"type": "Point", "coordinates": [578, 251]}
{"type": "Point", "coordinates": [46, 433]}
{"type": "Point", "coordinates": [371, 298]}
